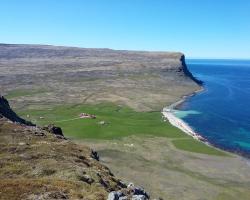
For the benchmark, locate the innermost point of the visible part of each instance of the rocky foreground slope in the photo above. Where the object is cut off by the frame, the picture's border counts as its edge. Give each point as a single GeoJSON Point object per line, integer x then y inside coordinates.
{"type": "Point", "coordinates": [142, 80]}
{"type": "Point", "coordinates": [39, 163]}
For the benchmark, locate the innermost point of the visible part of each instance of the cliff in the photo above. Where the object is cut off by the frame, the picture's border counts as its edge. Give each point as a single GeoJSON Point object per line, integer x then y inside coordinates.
{"type": "Point", "coordinates": [142, 80]}
{"type": "Point", "coordinates": [8, 113]}
{"type": "Point", "coordinates": [185, 70]}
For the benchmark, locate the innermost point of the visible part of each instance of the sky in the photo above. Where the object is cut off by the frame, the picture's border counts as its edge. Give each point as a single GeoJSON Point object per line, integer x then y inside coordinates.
{"type": "Point", "coordinates": [198, 28]}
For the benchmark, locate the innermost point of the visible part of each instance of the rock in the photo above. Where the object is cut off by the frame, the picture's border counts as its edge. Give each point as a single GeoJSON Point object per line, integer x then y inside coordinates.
{"type": "Point", "coordinates": [141, 191]}
{"type": "Point", "coordinates": [54, 130]}
{"type": "Point", "coordinates": [86, 178]}
{"type": "Point", "coordinates": [117, 195]}
{"type": "Point", "coordinates": [39, 133]}
{"type": "Point", "coordinates": [7, 112]}
{"type": "Point", "coordinates": [131, 185]}
{"type": "Point", "coordinates": [113, 196]}
{"type": "Point", "coordinates": [123, 198]}
{"type": "Point", "coordinates": [131, 192]}
{"type": "Point", "coordinates": [95, 155]}
{"type": "Point", "coordinates": [187, 72]}
{"type": "Point", "coordinates": [139, 197]}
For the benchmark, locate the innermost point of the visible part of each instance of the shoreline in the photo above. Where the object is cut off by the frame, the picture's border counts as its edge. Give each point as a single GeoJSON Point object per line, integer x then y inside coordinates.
{"type": "Point", "coordinates": [180, 124]}
{"type": "Point", "coordinates": [184, 98]}
{"type": "Point", "coordinates": [168, 114]}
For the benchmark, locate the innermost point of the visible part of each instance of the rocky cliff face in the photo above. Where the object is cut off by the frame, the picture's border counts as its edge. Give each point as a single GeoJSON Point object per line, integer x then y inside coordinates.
{"type": "Point", "coordinates": [39, 163]}
{"type": "Point", "coordinates": [187, 72]}
{"type": "Point", "coordinates": [8, 113]}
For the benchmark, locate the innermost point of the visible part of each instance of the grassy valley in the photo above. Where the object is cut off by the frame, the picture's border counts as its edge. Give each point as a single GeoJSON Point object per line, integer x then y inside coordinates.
{"type": "Point", "coordinates": [113, 122]}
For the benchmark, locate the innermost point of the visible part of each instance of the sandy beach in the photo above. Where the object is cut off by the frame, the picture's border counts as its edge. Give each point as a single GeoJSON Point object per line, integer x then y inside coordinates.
{"type": "Point", "coordinates": [168, 114]}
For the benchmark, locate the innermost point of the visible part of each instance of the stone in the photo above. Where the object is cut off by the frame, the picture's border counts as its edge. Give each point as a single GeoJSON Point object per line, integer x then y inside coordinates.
{"type": "Point", "coordinates": [140, 191]}
{"type": "Point", "coordinates": [95, 155]}
{"type": "Point", "coordinates": [139, 197]}
{"type": "Point", "coordinates": [131, 192]}
{"type": "Point", "coordinates": [131, 185]}
{"type": "Point", "coordinates": [54, 130]}
{"type": "Point", "coordinates": [113, 196]}
{"type": "Point", "coordinates": [87, 179]}
{"type": "Point", "coordinates": [123, 198]}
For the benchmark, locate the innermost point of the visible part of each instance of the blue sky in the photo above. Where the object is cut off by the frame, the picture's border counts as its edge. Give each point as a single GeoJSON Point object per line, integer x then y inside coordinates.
{"type": "Point", "coordinates": [198, 28]}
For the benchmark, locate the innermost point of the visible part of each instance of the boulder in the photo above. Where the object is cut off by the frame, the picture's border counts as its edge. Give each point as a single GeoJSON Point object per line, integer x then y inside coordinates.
{"type": "Point", "coordinates": [113, 196]}
{"type": "Point", "coordinates": [57, 131]}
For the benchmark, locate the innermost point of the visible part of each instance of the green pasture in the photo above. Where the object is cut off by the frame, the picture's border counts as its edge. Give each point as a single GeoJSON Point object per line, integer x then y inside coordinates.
{"type": "Point", "coordinates": [119, 121]}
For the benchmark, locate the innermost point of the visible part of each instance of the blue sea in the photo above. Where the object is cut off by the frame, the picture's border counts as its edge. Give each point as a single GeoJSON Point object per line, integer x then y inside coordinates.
{"type": "Point", "coordinates": [221, 113]}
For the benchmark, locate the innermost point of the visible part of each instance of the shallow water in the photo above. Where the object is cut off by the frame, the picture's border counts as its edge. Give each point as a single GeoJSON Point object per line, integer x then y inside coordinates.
{"type": "Point", "coordinates": [221, 113]}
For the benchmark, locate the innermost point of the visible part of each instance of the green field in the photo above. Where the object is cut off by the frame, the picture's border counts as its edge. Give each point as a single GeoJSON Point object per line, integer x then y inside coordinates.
{"type": "Point", "coordinates": [120, 121]}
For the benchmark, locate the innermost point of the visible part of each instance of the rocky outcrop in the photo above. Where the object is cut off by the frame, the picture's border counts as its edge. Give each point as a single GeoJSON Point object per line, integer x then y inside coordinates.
{"type": "Point", "coordinates": [187, 72]}
{"type": "Point", "coordinates": [131, 192]}
{"type": "Point", "coordinates": [7, 112]}
{"type": "Point", "coordinates": [54, 130]}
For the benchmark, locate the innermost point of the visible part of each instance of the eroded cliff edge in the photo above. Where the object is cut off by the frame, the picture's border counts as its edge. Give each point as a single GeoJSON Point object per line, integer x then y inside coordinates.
{"type": "Point", "coordinates": [186, 71]}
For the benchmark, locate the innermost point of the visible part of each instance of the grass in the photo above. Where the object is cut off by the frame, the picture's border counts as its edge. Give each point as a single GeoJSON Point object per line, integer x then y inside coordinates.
{"type": "Point", "coordinates": [196, 146]}
{"type": "Point", "coordinates": [23, 92]}
{"type": "Point", "coordinates": [23, 188]}
{"type": "Point", "coordinates": [121, 121]}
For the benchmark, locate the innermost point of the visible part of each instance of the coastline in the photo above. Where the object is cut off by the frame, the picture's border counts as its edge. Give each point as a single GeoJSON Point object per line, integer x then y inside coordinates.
{"type": "Point", "coordinates": [183, 98]}
{"type": "Point", "coordinates": [168, 114]}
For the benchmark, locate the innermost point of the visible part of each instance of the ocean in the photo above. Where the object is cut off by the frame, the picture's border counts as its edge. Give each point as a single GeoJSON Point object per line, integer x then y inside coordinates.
{"type": "Point", "coordinates": [221, 112]}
